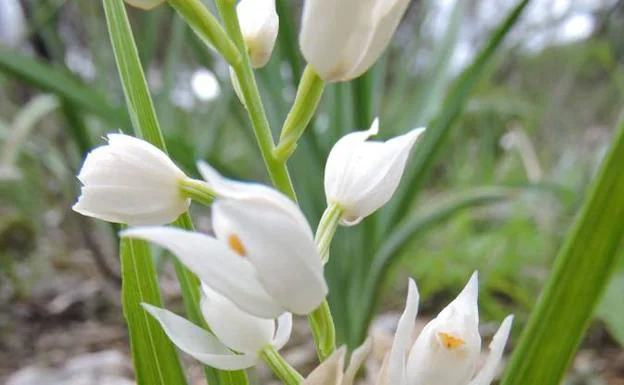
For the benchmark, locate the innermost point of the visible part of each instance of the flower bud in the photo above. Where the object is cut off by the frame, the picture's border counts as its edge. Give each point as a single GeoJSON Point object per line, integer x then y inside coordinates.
{"type": "Point", "coordinates": [361, 176]}
{"type": "Point", "coordinates": [332, 371]}
{"type": "Point", "coordinates": [342, 39]}
{"type": "Point", "coordinates": [259, 24]}
{"type": "Point", "coordinates": [145, 4]}
{"type": "Point", "coordinates": [130, 181]}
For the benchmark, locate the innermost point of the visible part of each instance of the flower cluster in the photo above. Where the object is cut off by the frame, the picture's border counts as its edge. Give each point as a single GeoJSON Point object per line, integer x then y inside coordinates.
{"type": "Point", "coordinates": [263, 263]}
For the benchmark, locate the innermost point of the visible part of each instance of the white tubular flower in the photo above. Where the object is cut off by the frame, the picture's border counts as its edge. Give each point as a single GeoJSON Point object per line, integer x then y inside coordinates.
{"type": "Point", "coordinates": [145, 4]}
{"type": "Point", "coordinates": [448, 348]}
{"type": "Point", "coordinates": [237, 338]}
{"type": "Point", "coordinates": [343, 39]}
{"type": "Point", "coordinates": [361, 176]}
{"type": "Point", "coordinates": [332, 372]}
{"type": "Point", "coordinates": [259, 24]}
{"type": "Point", "coordinates": [263, 257]}
{"type": "Point", "coordinates": [131, 181]}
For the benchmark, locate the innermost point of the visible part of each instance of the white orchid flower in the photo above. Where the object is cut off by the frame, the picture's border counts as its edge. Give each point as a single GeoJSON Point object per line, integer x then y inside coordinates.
{"type": "Point", "coordinates": [259, 25]}
{"type": "Point", "coordinates": [129, 180]}
{"type": "Point", "coordinates": [237, 338]}
{"type": "Point", "coordinates": [448, 348]}
{"type": "Point", "coordinates": [361, 175]}
{"type": "Point", "coordinates": [343, 39]}
{"type": "Point", "coordinates": [332, 371]}
{"type": "Point", "coordinates": [262, 257]}
{"type": "Point", "coordinates": [145, 4]}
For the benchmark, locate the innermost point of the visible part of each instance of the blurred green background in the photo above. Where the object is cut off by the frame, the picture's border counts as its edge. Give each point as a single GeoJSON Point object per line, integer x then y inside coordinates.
{"type": "Point", "coordinates": [508, 176]}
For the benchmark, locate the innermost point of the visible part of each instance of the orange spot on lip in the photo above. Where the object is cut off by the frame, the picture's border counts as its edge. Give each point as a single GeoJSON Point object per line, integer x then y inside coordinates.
{"type": "Point", "coordinates": [235, 244]}
{"type": "Point", "coordinates": [451, 342]}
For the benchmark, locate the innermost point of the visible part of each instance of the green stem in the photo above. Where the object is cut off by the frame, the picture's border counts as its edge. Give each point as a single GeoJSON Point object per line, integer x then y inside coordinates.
{"type": "Point", "coordinates": [198, 190]}
{"type": "Point", "coordinates": [326, 229]}
{"type": "Point", "coordinates": [308, 97]}
{"type": "Point", "coordinates": [280, 367]}
{"type": "Point", "coordinates": [244, 72]}
{"type": "Point", "coordinates": [323, 330]}
{"type": "Point", "coordinates": [207, 28]}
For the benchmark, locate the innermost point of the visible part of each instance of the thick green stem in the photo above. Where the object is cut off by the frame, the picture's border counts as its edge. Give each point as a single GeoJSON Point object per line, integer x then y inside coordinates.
{"type": "Point", "coordinates": [323, 330]}
{"type": "Point", "coordinates": [206, 26]}
{"type": "Point", "coordinates": [280, 367]}
{"type": "Point", "coordinates": [306, 102]}
{"type": "Point", "coordinates": [326, 229]}
{"type": "Point", "coordinates": [244, 72]}
{"type": "Point", "coordinates": [198, 190]}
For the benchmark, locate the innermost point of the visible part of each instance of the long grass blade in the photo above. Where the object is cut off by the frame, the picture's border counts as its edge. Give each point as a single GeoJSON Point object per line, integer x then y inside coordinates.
{"type": "Point", "coordinates": [580, 274]}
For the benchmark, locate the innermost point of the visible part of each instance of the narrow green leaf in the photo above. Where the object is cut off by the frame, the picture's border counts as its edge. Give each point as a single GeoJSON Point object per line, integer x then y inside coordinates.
{"type": "Point", "coordinates": [580, 274]}
{"type": "Point", "coordinates": [611, 308]}
{"type": "Point", "coordinates": [429, 147]}
{"type": "Point", "coordinates": [61, 83]}
{"type": "Point", "coordinates": [419, 222]}
{"type": "Point", "coordinates": [156, 361]}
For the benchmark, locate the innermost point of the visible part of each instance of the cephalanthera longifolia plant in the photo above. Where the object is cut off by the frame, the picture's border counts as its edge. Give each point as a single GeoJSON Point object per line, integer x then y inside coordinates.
{"type": "Point", "coordinates": [265, 263]}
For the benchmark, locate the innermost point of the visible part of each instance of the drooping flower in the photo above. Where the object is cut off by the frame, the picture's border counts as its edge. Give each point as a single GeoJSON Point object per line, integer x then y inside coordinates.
{"type": "Point", "coordinates": [236, 338]}
{"type": "Point", "coordinates": [145, 4]}
{"type": "Point", "coordinates": [129, 180]}
{"type": "Point", "coordinates": [332, 371]}
{"type": "Point", "coordinates": [448, 348]}
{"type": "Point", "coordinates": [259, 24]}
{"type": "Point", "coordinates": [262, 257]}
{"type": "Point", "coordinates": [361, 176]}
{"type": "Point", "coordinates": [343, 39]}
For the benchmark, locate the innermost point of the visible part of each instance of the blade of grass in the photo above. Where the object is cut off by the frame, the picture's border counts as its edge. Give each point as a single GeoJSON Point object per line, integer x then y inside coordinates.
{"type": "Point", "coordinates": [424, 156]}
{"type": "Point", "coordinates": [61, 83]}
{"type": "Point", "coordinates": [580, 274]}
{"type": "Point", "coordinates": [416, 224]}
{"type": "Point", "coordinates": [145, 124]}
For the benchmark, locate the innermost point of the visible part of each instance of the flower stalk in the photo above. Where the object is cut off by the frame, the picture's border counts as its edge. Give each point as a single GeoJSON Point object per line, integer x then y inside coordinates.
{"type": "Point", "coordinates": [206, 26]}
{"type": "Point", "coordinates": [280, 367]}
{"type": "Point", "coordinates": [323, 330]}
{"type": "Point", "coordinates": [198, 191]}
{"type": "Point", "coordinates": [244, 73]}
{"type": "Point", "coordinates": [306, 102]}
{"type": "Point", "coordinates": [326, 229]}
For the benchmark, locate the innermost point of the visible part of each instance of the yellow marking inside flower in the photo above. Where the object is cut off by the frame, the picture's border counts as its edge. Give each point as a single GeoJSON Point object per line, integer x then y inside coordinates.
{"type": "Point", "coordinates": [451, 342]}
{"type": "Point", "coordinates": [235, 244]}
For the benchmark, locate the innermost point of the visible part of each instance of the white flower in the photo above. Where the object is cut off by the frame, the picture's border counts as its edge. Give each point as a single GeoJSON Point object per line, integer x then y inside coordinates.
{"type": "Point", "coordinates": [259, 24]}
{"type": "Point", "coordinates": [343, 39]}
{"type": "Point", "coordinates": [263, 257]}
{"type": "Point", "coordinates": [332, 372]}
{"type": "Point", "coordinates": [145, 4]}
{"type": "Point", "coordinates": [130, 181]}
{"type": "Point", "coordinates": [361, 176]}
{"type": "Point", "coordinates": [236, 339]}
{"type": "Point", "coordinates": [448, 348]}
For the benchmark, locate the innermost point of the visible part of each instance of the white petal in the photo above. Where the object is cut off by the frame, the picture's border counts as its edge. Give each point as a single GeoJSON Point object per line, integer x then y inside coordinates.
{"type": "Point", "coordinates": [331, 34]}
{"type": "Point", "coordinates": [358, 357]}
{"type": "Point", "coordinates": [329, 372]}
{"type": "Point", "coordinates": [281, 250]}
{"type": "Point", "coordinates": [238, 330]}
{"type": "Point", "coordinates": [387, 14]}
{"type": "Point", "coordinates": [197, 342]}
{"type": "Point", "coordinates": [284, 330]}
{"type": "Point", "coordinates": [259, 25]}
{"type": "Point", "coordinates": [214, 264]}
{"type": "Point", "coordinates": [497, 347]}
{"type": "Point", "coordinates": [361, 176]}
{"type": "Point", "coordinates": [403, 337]}
{"type": "Point", "coordinates": [448, 348]}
